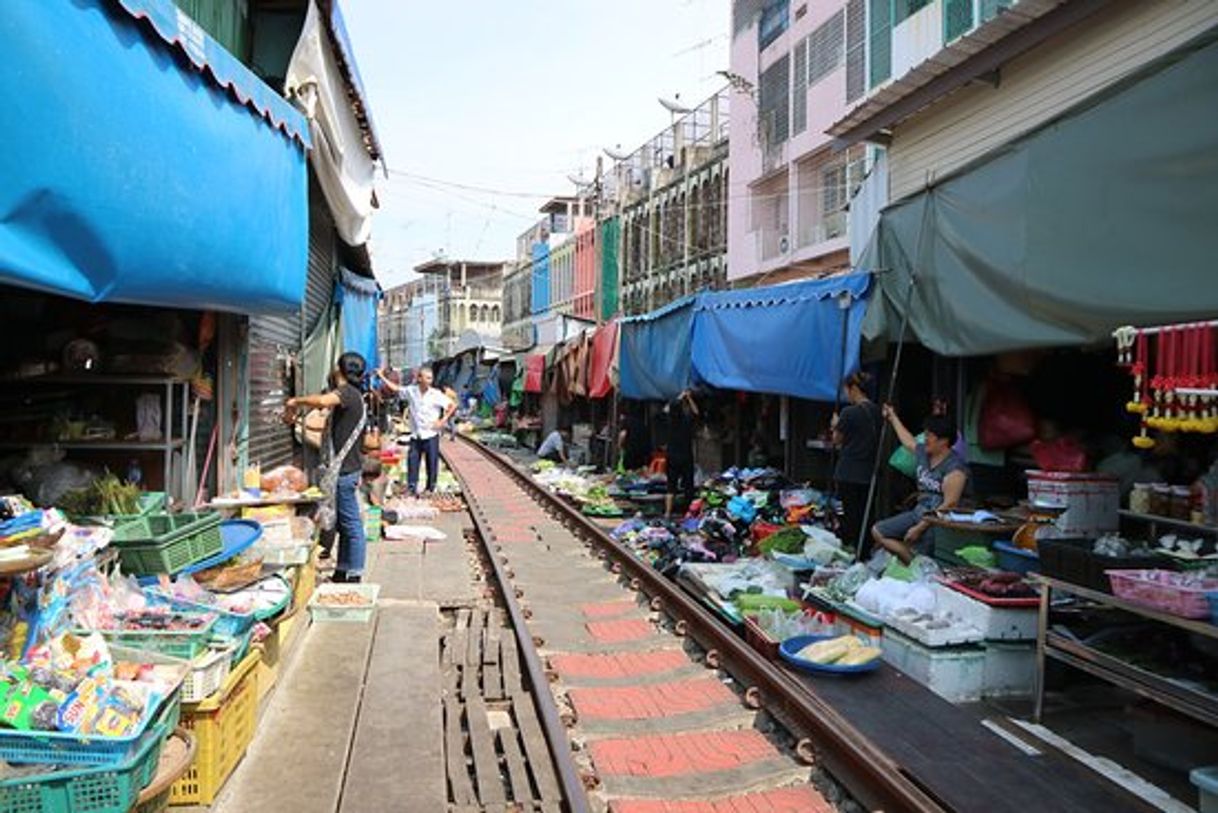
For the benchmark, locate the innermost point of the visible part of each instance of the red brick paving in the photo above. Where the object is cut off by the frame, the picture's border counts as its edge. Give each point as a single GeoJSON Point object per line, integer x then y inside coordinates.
{"type": "Point", "coordinates": [609, 609]}
{"type": "Point", "coordinates": [621, 631]}
{"type": "Point", "coordinates": [680, 754]}
{"type": "Point", "coordinates": [612, 665]}
{"type": "Point", "coordinates": [802, 799]}
{"type": "Point", "coordinates": [650, 702]}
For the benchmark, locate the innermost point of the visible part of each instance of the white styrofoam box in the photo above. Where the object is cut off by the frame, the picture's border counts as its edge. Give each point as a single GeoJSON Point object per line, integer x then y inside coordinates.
{"type": "Point", "coordinates": [927, 631]}
{"type": "Point", "coordinates": [995, 623]}
{"type": "Point", "coordinates": [1010, 669]}
{"type": "Point", "coordinates": [956, 674]}
{"type": "Point", "coordinates": [1092, 501]}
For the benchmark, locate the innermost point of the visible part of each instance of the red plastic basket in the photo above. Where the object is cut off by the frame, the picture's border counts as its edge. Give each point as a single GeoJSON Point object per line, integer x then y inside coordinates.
{"type": "Point", "coordinates": [759, 639]}
{"type": "Point", "coordinates": [1174, 593]}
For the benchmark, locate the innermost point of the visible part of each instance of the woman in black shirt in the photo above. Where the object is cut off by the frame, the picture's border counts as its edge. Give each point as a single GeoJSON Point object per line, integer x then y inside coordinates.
{"type": "Point", "coordinates": [856, 431]}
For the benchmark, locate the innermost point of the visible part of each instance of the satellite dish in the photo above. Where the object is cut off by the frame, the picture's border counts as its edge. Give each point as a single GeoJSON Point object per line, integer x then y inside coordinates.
{"type": "Point", "coordinates": [577, 180]}
{"type": "Point", "coordinates": [616, 155]}
{"type": "Point", "coordinates": [675, 107]}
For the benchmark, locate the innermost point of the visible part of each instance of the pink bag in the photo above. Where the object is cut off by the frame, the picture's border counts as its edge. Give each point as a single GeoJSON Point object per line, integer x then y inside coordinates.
{"type": "Point", "coordinates": [1006, 419]}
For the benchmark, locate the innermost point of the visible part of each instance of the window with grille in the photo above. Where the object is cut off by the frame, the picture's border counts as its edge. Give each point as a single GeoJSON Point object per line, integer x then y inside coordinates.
{"type": "Point", "coordinates": [774, 103]}
{"type": "Point", "coordinates": [775, 17]}
{"type": "Point", "coordinates": [799, 89]}
{"type": "Point", "coordinates": [879, 13]}
{"type": "Point", "coordinates": [957, 18]}
{"type": "Point", "coordinates": [902, 9]}
{"type": "Point", "coordinates": [856, 49]}
{"type": "Point", "coordinates": [826, 48]}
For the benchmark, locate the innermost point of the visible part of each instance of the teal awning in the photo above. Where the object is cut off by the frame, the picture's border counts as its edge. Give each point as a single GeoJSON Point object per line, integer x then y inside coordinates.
{"type": "Point", "coordinates": [1105, 217]}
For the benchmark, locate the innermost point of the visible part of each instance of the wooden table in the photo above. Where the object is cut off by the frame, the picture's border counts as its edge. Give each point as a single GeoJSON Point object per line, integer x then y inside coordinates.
{"type": "Point", "coordinates": [1186, 700]}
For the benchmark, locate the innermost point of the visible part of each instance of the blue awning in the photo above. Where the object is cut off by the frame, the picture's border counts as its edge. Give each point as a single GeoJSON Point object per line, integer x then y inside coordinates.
{"type": "Point", "coordinates": [781, 339]}
{"type": "Point", "coordinates": [654, 353]}
{"type": "Point", "coordinates": [142, 163]}
{"type": "Point", "coordinates": [357, 298]}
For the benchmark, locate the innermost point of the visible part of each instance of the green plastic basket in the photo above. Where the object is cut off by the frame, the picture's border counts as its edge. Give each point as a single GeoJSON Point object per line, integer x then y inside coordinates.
{"type": "Point", "coordinates": [167, 543]}
{"type": "Point", "coordinates": [109, 789]}
{"type": "Point", "coordinates": [184, 644]}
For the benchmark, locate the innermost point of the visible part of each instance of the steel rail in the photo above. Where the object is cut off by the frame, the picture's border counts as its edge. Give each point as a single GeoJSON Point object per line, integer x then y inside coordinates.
{"type": "Point", "coordinates": [539, 685]}
{"type": "Point", "coordinates": [870, 775]}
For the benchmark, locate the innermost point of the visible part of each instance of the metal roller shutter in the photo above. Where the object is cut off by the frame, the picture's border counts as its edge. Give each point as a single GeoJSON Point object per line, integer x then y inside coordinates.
{"type": "Point", "coordinates": [320, 288]}
{"type": "Point", "coordinates": [274, 348]}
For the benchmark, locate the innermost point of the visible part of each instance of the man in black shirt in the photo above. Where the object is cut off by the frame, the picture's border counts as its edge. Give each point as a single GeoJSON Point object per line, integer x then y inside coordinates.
{"type": "Point", "coordinates": [347, 419]}
{"type": "Point", "coordinates": [682, 412]}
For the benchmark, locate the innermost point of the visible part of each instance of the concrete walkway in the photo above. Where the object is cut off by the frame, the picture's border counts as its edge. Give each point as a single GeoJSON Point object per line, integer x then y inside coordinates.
{"type": "Point", "coordinates": [355, 722]}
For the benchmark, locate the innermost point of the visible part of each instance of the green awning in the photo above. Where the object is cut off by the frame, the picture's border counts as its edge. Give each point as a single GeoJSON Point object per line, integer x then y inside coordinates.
{"type": "Point", "coordinates": [1107, 216]}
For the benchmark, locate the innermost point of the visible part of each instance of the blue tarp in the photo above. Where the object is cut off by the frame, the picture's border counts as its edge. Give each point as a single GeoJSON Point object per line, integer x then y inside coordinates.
{"type": "Point", "coordinates": [357, 297]}
{"type": "Point", "coordinates": [782, 339]}
{"type": "Point", "coordinates": [654, 354]}
{"type": "Point", "coordinates": [146, 165]}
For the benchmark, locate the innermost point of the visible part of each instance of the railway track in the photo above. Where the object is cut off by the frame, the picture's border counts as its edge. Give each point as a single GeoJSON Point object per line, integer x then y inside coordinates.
{"type": "Point", "coordinates": [649, 704]}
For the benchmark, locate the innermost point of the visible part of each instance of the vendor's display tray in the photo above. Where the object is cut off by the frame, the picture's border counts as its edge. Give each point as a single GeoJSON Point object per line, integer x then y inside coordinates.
{"type": "Point", "coordinates": [112, 788]}
{"type": "Point", "coordinates": [62, 748]}
{"type": "Point", "coordinates": [1168, 592]}
{"type": "Point", "coordinates": [185, 644]}
{"type": "Point", "coordinates": [167, 543]}
{"type": "Point", "coordinates": [995, 623]}
{"type": "Point", "coordinates": [229, 624]}
{"type": "Point", "coordinates": [953, 635]}
{"type": "Point", "coordinates": [789, 652]}
{"type": "Point", "coordinates": [358, 613]}
{"type": "Point", "coordinates": [1022, 603]}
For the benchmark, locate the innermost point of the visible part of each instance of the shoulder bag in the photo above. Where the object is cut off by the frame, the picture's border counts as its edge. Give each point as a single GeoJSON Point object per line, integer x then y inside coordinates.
{"type": "Point", "coordinates": [330, 470]}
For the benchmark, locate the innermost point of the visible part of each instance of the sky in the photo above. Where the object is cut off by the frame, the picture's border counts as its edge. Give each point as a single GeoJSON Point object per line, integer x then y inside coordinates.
{"type": "Point", "coordinates": [514, 96]}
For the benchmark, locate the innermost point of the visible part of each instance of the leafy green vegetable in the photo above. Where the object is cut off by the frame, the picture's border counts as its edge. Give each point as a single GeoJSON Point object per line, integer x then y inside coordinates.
{"type": "Point", "coordinates": [787, 540]}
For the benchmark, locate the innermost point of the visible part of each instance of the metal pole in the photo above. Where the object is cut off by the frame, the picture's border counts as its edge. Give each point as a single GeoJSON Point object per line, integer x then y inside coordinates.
{"type": "Point", "coordinates": [892, 380]}
{"type": "Point", "coordinates": [844, 304]}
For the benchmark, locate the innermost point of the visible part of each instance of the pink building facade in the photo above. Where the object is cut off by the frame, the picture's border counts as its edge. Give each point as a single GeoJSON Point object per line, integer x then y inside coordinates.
{"type": "Point", "coordinates": [789, 187]}
{"type": "Point", "coordinates": [587, 261]}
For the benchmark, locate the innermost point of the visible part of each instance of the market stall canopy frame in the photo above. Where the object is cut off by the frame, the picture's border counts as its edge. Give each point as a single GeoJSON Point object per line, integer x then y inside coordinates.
{"type": "Point", "coordinates": [178, 182]}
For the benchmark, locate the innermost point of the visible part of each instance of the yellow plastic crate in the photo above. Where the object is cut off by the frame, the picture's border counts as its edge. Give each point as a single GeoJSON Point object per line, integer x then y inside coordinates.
{"type": "Point", "coordinates": [306, 583]}
{"type": "Point", "coordinates": [223, 726]}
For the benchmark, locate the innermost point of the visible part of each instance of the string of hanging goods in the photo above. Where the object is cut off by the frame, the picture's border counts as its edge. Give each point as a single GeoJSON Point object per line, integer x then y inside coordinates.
{"type": "Point", "coordinates": [1175, 377]}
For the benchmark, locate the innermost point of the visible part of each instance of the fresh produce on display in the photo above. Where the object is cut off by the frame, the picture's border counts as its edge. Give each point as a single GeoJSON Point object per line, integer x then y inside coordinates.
{"type": "Point", "coordinates": [844, 650]}
{"type": "Point", "coordinates": [991, 583]}
{"type": "Point", "coordinates": [106, 495]}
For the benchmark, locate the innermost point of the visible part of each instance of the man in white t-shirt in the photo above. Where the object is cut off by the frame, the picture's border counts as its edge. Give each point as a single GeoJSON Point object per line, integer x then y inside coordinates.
{"type": "Point", "coordinates": [429, 409]}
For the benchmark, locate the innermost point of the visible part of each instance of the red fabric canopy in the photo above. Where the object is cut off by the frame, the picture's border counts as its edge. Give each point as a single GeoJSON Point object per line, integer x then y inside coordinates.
{"type": "Point", "coordinates": [534, 366]}
{"type": "Point", "coordinates": [603, 361]}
